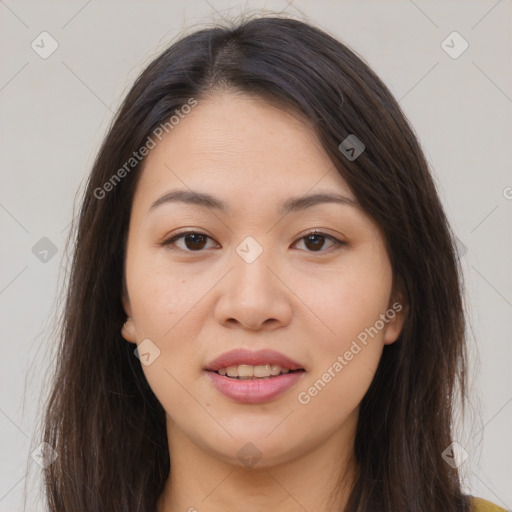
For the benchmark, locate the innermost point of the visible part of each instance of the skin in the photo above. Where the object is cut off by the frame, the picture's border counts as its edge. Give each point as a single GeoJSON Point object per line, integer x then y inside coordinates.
{"type": "Point", "coordinates": [307, 304]}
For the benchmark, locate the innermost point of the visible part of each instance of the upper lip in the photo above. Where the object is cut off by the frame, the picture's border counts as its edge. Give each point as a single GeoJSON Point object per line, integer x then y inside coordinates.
{"type": "Point", "coordinates": [254, 358]}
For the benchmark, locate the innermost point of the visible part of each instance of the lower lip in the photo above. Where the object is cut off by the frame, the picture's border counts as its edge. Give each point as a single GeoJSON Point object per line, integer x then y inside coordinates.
{"type": "Point", "coordinates": [254, 391]}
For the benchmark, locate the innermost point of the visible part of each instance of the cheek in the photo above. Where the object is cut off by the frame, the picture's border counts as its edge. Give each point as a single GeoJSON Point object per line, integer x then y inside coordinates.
{"type": "Point", "coordinates": [163, 306]}
{"type": "Point", "coordinates": [161, 295]}
{"type": "Point", "coordinates": [332, 396]}
{"type": "Point", "coordinates": [345, 360]}
{"type": "Point", "coordinates": [347, 353]}
{"type": "Point", "coordinates": [350, 299]}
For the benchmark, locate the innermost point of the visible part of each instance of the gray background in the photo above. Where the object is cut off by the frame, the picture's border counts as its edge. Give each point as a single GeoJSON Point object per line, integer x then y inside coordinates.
{"type": "Point", "coordinates": [54, 113]}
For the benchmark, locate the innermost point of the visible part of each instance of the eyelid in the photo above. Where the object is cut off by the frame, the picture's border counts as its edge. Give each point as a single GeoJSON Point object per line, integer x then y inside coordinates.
{"type": "Point", "coordinates": [181, 234]}
{"type": "Point", "coordinates": [336, 241]}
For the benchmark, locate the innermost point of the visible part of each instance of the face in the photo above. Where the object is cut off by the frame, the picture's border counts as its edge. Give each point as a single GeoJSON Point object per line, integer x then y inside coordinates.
{"type": "Point", "coordinates": [255, 266]}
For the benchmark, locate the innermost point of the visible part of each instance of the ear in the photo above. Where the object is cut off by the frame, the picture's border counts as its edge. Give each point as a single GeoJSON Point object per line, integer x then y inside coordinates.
{"type": "Point", "coordinates": [396, 313]}
{"type": "Point", "coordinates": [128, 330]}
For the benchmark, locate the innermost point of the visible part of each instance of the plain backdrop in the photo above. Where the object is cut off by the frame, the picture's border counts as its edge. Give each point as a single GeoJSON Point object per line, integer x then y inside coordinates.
{"type": "Point", "coordinates": [54, 112]}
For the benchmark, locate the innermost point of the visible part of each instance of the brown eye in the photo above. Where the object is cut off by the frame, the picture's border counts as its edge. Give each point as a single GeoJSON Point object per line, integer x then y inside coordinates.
{"type": "Point", "coordinates": [195, 241]}
{"type": "Point", "coordinates": [315, 242]}
{"type": "Point", "coordinates": [189, 242]}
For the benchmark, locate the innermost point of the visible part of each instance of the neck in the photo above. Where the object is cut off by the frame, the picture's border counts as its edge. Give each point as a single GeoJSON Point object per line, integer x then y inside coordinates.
{"type": "Point", "coordinates": [318, 480]}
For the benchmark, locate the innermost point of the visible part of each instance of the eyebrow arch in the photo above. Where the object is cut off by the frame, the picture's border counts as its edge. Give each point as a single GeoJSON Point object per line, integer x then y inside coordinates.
{"type": "Point", "coordinates": [211, 202]}
{"type": "Point", "coordinates": [190, 197]}
{"type": "Point", "coordinates": [303, 202]}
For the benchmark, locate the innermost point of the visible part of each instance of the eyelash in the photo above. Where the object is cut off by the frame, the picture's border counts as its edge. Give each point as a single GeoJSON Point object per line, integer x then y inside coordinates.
{"type": "Point", "coordinates": [337, 243]}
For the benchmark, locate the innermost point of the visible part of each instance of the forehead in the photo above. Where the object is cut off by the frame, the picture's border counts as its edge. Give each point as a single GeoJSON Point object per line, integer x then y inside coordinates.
{"type": "Point", "coordinates": [236, 144]}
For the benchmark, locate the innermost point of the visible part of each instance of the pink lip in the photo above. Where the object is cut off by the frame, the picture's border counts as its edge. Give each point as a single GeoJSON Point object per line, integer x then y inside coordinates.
{"type": "Point", "coordinates": [254, 391]}
{"type": "Point", "coordinates": [243, 356]}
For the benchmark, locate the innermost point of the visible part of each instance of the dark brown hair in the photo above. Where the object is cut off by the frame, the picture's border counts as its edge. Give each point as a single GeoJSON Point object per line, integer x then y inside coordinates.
{"type": "Point", "coordinates": [102, 417]}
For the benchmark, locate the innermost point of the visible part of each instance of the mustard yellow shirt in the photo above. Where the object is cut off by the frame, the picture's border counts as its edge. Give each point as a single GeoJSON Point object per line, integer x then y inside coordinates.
{"type": "Point", "coordinates": [480, 505]}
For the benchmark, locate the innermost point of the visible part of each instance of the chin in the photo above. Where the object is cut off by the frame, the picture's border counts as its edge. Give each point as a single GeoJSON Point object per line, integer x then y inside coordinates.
{"type": "Point", "coordinates": [257, 451]}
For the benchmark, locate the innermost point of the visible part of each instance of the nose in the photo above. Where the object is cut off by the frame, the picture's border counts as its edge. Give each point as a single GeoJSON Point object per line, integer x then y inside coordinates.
{"type": "Point", "coordinates": [252, 297]}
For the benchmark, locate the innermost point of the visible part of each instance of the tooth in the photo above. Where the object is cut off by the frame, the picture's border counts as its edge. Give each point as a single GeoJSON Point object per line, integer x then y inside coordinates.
{"type": "Point", "coordinates": [262, 370]}
{"type": "Point", "coordinates": [232, 371]}
{"type": "Point", "coordinates": [248, 371]}
{"type": "Point", "coordinates": [245, 370]}
{"type": "Point", "coordinates": [275, 369]}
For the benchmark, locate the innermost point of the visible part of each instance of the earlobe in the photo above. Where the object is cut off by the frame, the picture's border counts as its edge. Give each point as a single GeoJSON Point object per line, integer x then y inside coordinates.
{"type": "Point", "coordinates": [394, 328]}
{"type": "Point", "coordinates": [128, 330]}
{"type": "Point", "coordinates": [397, 313]}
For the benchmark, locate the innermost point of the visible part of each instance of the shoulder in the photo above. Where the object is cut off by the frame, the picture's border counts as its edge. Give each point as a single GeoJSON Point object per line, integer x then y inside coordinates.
{"type": "Point", "coordinates": [481, 505]}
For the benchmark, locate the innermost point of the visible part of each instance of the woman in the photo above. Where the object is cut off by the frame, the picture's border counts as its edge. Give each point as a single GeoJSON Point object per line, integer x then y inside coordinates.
{"type": "Point", "coordinates": [264, 310]}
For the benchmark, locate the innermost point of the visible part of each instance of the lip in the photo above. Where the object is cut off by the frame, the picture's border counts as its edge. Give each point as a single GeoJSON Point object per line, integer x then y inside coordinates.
{"type": "Point", "coordinates": [254, 358]}
{"type": "Point", "coordinates": [254, 391]}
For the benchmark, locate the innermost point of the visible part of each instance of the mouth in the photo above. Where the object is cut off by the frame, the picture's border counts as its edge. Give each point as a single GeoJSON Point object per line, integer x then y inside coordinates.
{"type": "Point", "coordinates": [249, 377]}
{"type": "Point", "coordinates": [255, 390]}
{"type": "Point", "coordinates": [255, 372]}
{"type": "Point", "coordinates": [246, 363]}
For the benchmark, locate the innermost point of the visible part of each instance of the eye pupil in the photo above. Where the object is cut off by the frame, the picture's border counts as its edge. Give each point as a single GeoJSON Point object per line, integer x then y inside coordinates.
{"type": "Point", "coordinates": [316, 240]}
{"type": "Point", "coordinates": [197, 241]}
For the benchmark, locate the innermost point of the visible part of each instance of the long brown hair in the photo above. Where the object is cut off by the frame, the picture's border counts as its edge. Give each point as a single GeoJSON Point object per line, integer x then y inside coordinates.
{"type": "Point", "coordinates": [102, 418]}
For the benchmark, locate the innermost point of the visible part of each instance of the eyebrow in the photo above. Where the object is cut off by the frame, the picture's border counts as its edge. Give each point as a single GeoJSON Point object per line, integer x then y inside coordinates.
{"type": "Point", "coordinates": [290, 205]}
